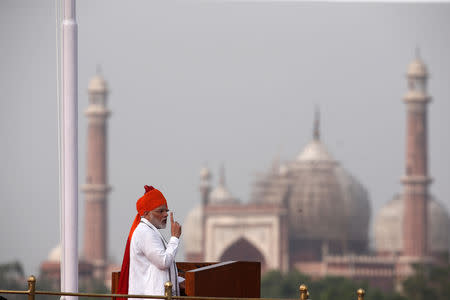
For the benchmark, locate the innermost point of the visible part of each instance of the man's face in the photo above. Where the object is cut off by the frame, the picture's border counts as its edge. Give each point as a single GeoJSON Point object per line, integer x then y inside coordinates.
{"type": "Point", "coordinates": [158, 217]}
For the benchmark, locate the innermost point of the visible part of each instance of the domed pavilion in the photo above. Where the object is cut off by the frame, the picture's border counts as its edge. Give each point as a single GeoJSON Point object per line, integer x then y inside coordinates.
{"type": "Point", "coordinates": [298, 212]}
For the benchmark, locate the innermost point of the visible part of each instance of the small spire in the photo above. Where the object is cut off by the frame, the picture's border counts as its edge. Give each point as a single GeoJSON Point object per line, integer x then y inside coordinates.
{"type": "Point", "coordinates": [316, 133]}
{"type": "Point", "coordinates": [222, 175]}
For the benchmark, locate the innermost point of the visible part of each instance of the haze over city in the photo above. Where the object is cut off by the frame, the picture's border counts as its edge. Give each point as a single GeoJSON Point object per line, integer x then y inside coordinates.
{"type": "Point", "coordinates": [198, 83]}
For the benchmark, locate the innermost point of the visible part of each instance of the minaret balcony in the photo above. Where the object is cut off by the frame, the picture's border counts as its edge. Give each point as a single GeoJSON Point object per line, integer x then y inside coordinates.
{"type": "Point", "coordinates": [416, 179]}
{"type": "Point", "coordinates": [416, 97]}
{"type": "Point", "coordinates": [92, 188]}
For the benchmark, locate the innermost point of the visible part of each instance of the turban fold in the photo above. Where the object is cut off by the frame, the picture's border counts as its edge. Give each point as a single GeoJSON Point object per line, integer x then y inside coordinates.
{"type": "Point", "coordinates": [151, 200]}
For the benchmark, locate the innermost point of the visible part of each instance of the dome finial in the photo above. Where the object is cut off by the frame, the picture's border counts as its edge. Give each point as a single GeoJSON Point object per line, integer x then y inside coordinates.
{"type": "Point", "coordinates": [316, 133]}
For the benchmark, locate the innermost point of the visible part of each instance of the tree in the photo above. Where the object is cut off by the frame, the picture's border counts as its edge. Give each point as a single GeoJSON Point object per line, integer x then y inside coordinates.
{"type": "Point", "coordinates": [277, 285]}
{"type": "Point", "coordinates": [428, 282]}
{"type": "Point", "coordinates": [12, 278]}
{"type": "Point", "coordinates": [92, 286]}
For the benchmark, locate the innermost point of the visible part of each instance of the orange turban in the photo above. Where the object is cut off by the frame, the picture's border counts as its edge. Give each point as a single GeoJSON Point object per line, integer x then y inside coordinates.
{"type": "Point", "coordinates": [151, 200]}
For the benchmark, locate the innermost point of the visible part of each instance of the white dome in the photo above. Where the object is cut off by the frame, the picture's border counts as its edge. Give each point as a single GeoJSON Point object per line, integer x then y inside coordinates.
{"type": "Point", "coordinates": [357, 205]}
{"type": "Point", "coordinates": [324, 203]}
{"type": "Point", "coordinates": [315, 151]}
{"type": "Point", "coordinates": [97, 85]}
{"type": "Point", "coordinates": [193, 231]}
{"type": "Point", "coordinates": [55, 254]}
{"type": "Point", "coordinates": [388, 227]}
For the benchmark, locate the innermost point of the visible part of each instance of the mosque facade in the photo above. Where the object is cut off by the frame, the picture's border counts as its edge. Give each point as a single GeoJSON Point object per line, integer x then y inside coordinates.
{"type": "Point", "coordinates": [312, 215]}
{"type": "Point", "coordinates": [309, 214]}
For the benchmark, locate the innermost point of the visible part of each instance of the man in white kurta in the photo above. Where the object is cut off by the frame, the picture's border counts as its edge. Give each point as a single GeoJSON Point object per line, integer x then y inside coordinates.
{"type": "Point", "coordinates": [149, 261]}
{"type": "Point", "coordinates": [152, 260]}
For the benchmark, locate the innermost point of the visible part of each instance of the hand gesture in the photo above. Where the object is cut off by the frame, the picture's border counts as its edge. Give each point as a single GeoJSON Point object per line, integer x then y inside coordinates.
{"type": "Point", "coordinates": [175, 227]}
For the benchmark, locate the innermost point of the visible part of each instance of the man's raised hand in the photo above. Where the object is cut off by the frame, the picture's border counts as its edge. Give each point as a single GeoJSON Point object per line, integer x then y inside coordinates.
{"type": "Point", "coordinates": [175, 227]}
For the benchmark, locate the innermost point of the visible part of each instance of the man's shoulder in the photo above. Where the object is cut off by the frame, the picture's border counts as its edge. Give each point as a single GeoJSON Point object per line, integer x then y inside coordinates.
{"type": "Point", "coordinates": [146, 224]}
{"type": "Point", "coordinates": [144, 229]}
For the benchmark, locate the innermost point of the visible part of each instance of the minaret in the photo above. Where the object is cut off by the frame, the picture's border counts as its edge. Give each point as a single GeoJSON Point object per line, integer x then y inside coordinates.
{"type": "Point", "coordinates": [416, 180]}
{"type": "Point", "coordinates": [96, 188]}
{"type": "Point", "coordinates": [205, 189]}
{"type": "Point", "coordinates": [205, 184]}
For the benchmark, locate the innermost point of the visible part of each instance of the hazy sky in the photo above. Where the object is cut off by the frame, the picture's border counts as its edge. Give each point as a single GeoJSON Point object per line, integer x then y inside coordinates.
{"type": "Point", "coordinates": [209, 82]}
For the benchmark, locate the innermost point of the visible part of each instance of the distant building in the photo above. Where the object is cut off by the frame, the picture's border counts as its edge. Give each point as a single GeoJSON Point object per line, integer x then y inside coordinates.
{"type": "Point", "coordinates": [93, 262]}
{"type": "Point", "coordinates": [50, 268]}
{"type": "Point", "coordinates": [312, 215]}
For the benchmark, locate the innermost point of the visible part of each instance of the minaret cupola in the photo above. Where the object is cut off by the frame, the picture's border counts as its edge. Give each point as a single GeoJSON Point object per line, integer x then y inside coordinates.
{"type": "Point", "coordinates": [417, 76]}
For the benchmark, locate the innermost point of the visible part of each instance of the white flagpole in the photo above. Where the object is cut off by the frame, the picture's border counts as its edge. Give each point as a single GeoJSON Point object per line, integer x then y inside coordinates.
{"type": "Point", "coordinates": [69, 259]}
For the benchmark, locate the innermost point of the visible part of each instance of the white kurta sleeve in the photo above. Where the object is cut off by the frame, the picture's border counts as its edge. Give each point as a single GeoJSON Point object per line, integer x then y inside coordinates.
{"type": "Point", "coordinates": [153, 249]}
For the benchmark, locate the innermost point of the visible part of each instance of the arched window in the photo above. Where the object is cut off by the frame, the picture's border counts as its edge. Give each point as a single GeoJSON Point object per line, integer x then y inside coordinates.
{"type": "Point", "coordinates": [243, 250]}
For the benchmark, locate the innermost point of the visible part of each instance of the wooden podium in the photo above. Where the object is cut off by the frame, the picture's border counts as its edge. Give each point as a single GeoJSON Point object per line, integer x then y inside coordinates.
{"type": "Point", "coordinates": [226, 279]}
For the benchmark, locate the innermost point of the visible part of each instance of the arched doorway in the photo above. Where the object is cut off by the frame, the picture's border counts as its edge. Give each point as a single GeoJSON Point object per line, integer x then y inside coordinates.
{"type": "Point", "coordinates": [243, 250]}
